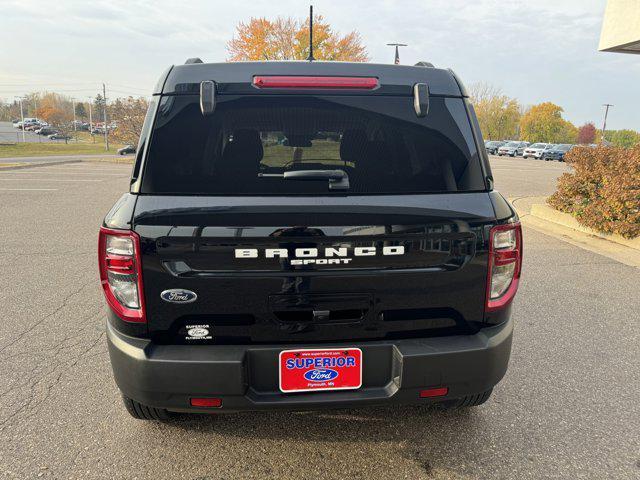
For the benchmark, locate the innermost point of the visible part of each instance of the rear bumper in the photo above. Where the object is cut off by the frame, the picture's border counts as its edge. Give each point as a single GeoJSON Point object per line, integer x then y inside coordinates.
{"type": "Point", "coordinates": [246, 376]}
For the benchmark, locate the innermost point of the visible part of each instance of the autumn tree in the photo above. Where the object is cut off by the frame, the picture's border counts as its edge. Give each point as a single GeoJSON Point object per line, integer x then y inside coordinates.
{"type": "Point", "coordinates": [288, 39]}
{"type": "Point", "coordinates": [544, 123]}
{"type": "Point", "coordinates": [128, 115]}
{"type": "Point", "coordinates": [587, 134]}
{"type": "Point", "coordinates": [56, 110]}
{"type": "Point", "coordinates": [30, 102]}
{"type": "Point", "coordinates": [9, 111]}
{"type": "Point", "coordinates": [625, 138]}
{"type": "Point", "coordinates": [498, 115]}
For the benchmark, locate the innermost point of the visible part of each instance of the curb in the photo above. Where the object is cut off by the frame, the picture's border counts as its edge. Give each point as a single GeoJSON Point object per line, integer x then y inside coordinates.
{"type": "Point", "coordinates": [39, 164]}
{"type": "Point", "coordinates": [123, 161]}
{"type": "Point", "coordinates": [552, 215]}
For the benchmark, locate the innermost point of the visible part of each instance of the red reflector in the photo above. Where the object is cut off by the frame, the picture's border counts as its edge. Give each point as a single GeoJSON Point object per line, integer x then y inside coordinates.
{"type": "Point", "coordinates": [434, 392]}
{"type": "Point", "coordinates": [363, 83]}
{"type": "Point", "coordinates": [206, 402]}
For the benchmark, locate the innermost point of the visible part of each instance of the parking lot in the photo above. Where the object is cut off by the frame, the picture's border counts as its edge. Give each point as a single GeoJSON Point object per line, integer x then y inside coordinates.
{"type": "Point", "coordinates": [568, 407]}
{"type": "Point", "coordinates": [10, 134]}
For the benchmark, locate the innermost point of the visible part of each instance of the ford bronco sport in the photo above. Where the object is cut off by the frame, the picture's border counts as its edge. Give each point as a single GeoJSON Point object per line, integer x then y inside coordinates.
{"type": "Point", "coordinates": [301, 235]}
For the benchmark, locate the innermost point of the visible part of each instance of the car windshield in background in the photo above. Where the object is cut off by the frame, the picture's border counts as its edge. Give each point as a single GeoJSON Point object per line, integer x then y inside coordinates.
{"type": "Point", "coordinates": [538, 145]}
{"type": "Point", "coordinates": [512, 144]}
{"type": "Point", "coordinates": [564, 147]}
{"type": "Point", "coordinates": [248, 145]}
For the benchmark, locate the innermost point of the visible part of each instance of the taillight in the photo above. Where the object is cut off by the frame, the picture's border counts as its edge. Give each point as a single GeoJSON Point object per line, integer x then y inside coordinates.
{"type": "Point", "coordinates": [120, 273]}
{"type": "Point", "coordinates": [302, 82]}
{"type": "Point", "coordinates": [505, 264]}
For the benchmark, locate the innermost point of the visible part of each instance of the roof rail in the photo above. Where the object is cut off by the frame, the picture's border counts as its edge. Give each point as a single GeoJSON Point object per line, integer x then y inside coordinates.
{"type": "Point", "coordinates": [192, 60]}
{"type": "Point", "coordinates": [424, 64]}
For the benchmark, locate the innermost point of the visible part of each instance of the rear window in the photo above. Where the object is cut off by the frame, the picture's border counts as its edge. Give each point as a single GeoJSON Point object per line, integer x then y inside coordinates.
{"type": "Point", "coordinates": [250, 142]}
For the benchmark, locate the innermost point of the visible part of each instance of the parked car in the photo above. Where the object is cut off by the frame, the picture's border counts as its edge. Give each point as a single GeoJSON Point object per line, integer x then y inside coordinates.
{"type": "Point", "coordinates": [536, 150]}
{"type": "Point", "coordinates": [303, 282]}
{"type": "Point", "coordinates": [512, 149]}
{"type": "Point", "coordinates": [46, 131]}
{"type": "Point", "coordinates": [558, 152]}
{"type": "Point", "coordinates": [59, 136]}
{"type": "Point", "coordinates": [520, 150]}
{"type": "Point", "coordinates": [127, 149]}
{"type": "Point", "coordinates": [492, 146]}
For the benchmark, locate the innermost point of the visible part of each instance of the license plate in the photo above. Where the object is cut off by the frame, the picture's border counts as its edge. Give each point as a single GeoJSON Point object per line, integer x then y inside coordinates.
{"type": "Point", "coordinates": [311, 370]}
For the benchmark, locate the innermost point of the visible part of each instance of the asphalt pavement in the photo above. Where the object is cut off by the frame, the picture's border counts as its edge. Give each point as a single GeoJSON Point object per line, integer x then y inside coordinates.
{"type": "Point", "coordinates": [568, 407]}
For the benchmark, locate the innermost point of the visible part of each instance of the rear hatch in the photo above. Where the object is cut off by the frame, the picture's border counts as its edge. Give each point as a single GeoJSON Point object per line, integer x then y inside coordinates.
{"type": "Point", "coordinates": [400, 251]}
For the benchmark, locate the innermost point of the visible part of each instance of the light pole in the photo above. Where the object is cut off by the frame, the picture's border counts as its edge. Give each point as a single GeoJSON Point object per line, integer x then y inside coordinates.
{"type": "Point", "coordinates": [73, 106]}
{"type": "Point", "coordinates": [22, 119]}
{"type": "Point", "coordinates": [106, 128]}
{"type": "Point", "coordinates": [397, 57]}
{"type": "Point", "coordinates": [91, 122]}
{"type": "Point", "coordinates": [604, 124]}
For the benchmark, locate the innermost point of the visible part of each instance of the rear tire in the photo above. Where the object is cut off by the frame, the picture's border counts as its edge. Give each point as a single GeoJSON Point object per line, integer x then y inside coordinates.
{"type": "Point", "coordinates": [141, 412]}
{"type": "Point", "coordinates": [469, 400]}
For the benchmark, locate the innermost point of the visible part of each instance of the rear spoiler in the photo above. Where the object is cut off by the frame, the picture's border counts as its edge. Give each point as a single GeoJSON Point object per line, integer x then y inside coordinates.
{"type": "Point", "coordinates": [237, 78]}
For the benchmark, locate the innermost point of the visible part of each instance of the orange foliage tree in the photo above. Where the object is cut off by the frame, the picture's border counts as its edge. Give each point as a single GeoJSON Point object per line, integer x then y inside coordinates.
{"type": "Point", "coordinates": [288, 39]}
{"type": "Point", "coordinates": [56, 110]}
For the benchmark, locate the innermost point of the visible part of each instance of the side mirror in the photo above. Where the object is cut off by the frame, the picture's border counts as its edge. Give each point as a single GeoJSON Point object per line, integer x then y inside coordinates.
{"type": "Point", "coordinates": [421, 99]}
{"type": "Point", "coordinates": [207, 97]}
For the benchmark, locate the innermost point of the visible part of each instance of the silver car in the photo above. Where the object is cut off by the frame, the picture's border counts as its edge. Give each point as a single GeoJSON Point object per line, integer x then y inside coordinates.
{"type": "Point", "coordinates": [512, 149]}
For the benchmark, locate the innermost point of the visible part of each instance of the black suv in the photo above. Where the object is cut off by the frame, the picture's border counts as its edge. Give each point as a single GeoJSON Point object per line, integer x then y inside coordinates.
{"type": "Point", "coordinates": [302, 235]}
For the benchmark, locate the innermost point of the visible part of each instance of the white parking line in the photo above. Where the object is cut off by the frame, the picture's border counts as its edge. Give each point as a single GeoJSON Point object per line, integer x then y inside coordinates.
{"type": "Point", "coordinates": [87, 172]}
{"type": "Point", "coordinates": [89, 165]}
{"type": "Point", "coordinates": [84, 169]}
{"type": "Point", "coordinates": [99, 174]}
{"type": "Point", "coordinates": [28, 189]}
{"type": "Point", "coordinates": [47, 180]}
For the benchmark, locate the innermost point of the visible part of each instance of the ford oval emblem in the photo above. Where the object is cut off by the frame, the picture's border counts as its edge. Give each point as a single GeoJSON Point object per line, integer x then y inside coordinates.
{"type": "Point", "coordinates": [321, 375]}
{"type": "Point", "coordinates": [178, 295]}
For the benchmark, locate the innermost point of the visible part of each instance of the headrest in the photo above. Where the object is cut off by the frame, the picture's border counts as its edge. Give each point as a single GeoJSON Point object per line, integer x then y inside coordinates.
{"type": "Point", "coordinates": [246, 148]}
{"type": "Point", "coordinates": [352, 145]}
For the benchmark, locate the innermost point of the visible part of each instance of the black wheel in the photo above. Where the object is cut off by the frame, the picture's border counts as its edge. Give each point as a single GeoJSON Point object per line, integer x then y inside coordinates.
{"type": "Point", "coordinates": [469, 400]}
{"type": "Point", "coordinates": [142, 412]}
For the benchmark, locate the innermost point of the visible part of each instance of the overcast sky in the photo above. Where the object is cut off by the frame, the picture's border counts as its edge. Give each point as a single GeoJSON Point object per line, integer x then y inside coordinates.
{"type": "Point", "coordinates": [535, 50]}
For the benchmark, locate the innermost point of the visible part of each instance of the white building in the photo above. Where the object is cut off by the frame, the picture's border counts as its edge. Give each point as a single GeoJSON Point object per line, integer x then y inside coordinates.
{"type": "Point", "coordinates": [621, 27]}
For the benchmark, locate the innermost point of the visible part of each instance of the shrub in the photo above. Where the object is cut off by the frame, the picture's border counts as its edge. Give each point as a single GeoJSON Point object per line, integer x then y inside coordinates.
{"type": "Point", "coordinates": [603, 192]}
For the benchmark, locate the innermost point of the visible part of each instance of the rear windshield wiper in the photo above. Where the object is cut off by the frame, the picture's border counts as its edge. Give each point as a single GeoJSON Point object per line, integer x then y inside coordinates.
{"type": "Point", "coordinates": [338, 179]}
